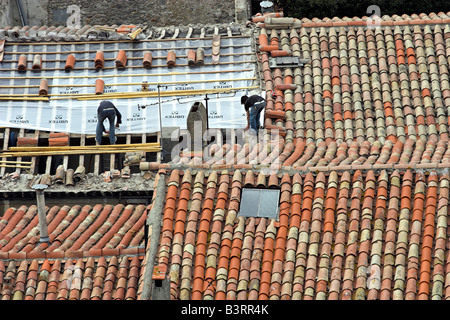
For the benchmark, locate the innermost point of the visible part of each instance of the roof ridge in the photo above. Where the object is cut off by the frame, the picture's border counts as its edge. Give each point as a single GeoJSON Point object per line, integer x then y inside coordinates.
{"type": "Point", "coordinates": [113, 32]}
{"type": "Point", "coordinates": [374, 20]}
{"type": "Point", "coordinates": [436, 166]}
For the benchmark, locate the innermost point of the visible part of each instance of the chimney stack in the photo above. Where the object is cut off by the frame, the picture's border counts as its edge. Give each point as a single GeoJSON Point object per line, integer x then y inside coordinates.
{"type": "Point", "coordinates": [41, 212]}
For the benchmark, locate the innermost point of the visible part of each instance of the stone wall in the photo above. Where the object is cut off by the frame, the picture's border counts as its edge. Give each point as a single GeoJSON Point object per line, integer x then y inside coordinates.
{"type": "Point", "coordinates": [150, 12]}
{"type": "Point", "coordinates": [157, 13]}
{"type": "Point", "coordinates": [6, 13]}
{"type": "Point", "coordinates": [34, 13]}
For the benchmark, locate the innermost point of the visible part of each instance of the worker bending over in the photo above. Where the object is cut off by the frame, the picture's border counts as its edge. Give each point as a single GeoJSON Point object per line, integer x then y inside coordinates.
{"type": "Point", "coordinates": [107, 110]}
{"type": "Point", "coordinates": [253, 106]}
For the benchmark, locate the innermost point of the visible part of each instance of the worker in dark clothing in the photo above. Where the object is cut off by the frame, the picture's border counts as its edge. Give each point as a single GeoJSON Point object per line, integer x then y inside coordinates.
{"type": "Point", "coordinates": [253, 106]}
{"type": "Point", "coordinates": [107, 110]}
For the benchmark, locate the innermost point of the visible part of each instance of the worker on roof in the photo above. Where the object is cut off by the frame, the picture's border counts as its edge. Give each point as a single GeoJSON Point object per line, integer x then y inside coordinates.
{"type": "Point", "coordinates": [253, 106]}
{"type": "Point", "coordinates": [107, 110]}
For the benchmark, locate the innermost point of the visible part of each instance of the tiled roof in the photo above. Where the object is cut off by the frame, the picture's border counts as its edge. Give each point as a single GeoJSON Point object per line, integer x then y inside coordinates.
{"type": "Point", "coordinates": [362, 163]}
{"type": "Point", "coordinates": [74, 232]}
{"type": "Point", "coordinates": [362, 166]}
{"type": "Point", "coordinates": [371, 235]}
{"type": "Point", "coordinates": [378, 235]}
{"type": "Point", "coordinates": [96, 252]}
{"type": "Point", "coordinates": [101, 278]}
{"type": "Point", "coordinates": [385, 20]}
{"type": "Point", "coordinates": [369, 98]}
{"type": "Point", "coordinates": [362, 84]}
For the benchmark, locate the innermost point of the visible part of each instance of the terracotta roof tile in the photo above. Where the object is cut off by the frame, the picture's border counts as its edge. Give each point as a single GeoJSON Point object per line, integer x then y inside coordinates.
{"type": "Point", "coordinates": [371, 62]}
{"type": "Point", "coordinates": [71, 232]}
{"type": "Point", "coordinates": [313, 251]}
{"type": "Point", "coordinates": [362, 166]}
{"type": "Point", "coordinates": [106, 33]}
{"type": "Point", "coordinates": [93, 279]}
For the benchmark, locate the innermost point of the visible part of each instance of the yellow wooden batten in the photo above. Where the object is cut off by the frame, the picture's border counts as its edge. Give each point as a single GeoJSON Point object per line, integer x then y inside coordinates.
{"type": "Point", "coordinates": [118, 84]}
{"type": "Point", "coordinates": [68, 150]}
{"type": "Point", "coordinates": [16, 166]}
{"type": "Point", "coordinates": [91, 147]}
{"type": "Point", "coordinates": [124, 95]}
{"type": "Point", "coordinates": [130, 95]}
{"type": "Point", "coordinates": [130, 75]}
{"type": "Point", "coordinates": [18, 162]}
{"type": "Point", "coordinates": [76, 152]}
{"type": "Point", "coordinates": [25, 98]}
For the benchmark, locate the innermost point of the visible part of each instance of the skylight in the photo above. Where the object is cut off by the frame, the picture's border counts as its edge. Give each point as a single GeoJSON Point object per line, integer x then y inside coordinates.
{"type": "Point", "coordinates": [260, 203]}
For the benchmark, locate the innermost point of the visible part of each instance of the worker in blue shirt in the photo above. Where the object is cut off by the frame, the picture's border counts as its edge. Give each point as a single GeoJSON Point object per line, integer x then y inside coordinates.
{"type": "Point", "coordinates": [107, 110]}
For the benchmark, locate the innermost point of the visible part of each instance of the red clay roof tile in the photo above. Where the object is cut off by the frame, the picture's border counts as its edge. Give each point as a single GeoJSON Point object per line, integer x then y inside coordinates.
{"type": "Point", "coordinates": [99, 60]}
{"type": "Point", "coordinates": [358, 108]}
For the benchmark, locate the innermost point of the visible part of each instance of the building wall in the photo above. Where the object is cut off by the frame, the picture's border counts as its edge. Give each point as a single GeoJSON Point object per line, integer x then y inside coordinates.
{"type": "Point", "coordinates": [107, 12]}
{"type": "Point", "coordinates": [6, 17]}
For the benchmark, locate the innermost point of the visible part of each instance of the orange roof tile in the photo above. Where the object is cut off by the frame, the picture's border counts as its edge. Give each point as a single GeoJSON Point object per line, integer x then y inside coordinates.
{"type": "Point", "coordinates": [362, 165]}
